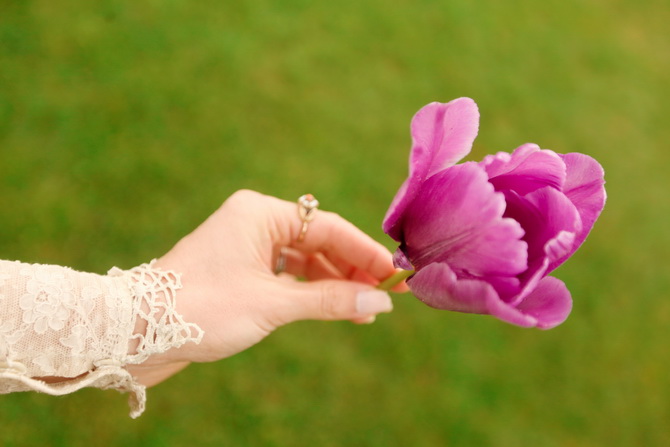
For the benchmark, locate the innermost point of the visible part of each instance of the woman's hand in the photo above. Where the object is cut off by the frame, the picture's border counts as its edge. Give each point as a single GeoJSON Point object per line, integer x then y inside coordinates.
{"type": "Point", "coordinates": [231, 291]}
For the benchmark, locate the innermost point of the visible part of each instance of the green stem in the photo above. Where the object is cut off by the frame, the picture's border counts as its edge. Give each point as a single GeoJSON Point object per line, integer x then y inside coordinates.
{"type": "Point", "coordinates": [394, 279]}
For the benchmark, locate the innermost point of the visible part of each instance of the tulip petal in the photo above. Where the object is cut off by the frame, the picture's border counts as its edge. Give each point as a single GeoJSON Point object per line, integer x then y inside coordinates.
{"type": "Point", "coordinates": [539, 268]}
{"type": "Point", "coordinates": [527, 169]}
{"type": "Point", "coordinates": [543, 214]}
{"type": "Point", "coordinates": [400, 260]}
{"type": "Point", "coordinates": [442, 134]}
{"type": "Point", "coordinates": [458, 219]}
{"type": "Point", "coordinates": [585, 187]}
{"type": "Point", "coordinates": [550, 303]}
{"type": "Point", "coordinates": [408, 190]}
{"type": "Point", "coordinates": [551, 222]}
{"type": "Point", "coordinates": [439, 287]}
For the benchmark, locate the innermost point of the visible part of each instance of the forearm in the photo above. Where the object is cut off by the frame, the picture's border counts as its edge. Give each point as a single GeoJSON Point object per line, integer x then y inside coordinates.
{"type": "Point", "coordinates": [61, 330]}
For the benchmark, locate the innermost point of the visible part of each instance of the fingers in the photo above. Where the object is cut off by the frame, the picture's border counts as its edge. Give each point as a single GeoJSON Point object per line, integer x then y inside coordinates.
{"type": "Point", "coordinates": [311, 266]}
{"type": "Point", "coordinates": [315, 266]}
{"type": "Point", "coordinates": [334, 300]}
{"type": "Point", "coordinates": [344, 245]}
{"type": "Point", "coordinates": [344, 250]}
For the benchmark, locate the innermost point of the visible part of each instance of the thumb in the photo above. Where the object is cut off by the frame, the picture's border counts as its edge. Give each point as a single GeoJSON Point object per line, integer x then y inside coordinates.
{"type": "Point", "coordinates": [336, 300]}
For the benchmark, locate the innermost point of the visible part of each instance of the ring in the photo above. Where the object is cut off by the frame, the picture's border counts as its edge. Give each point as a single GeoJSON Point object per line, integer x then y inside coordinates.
{"type": "Point", "coordinates": [307, 206]}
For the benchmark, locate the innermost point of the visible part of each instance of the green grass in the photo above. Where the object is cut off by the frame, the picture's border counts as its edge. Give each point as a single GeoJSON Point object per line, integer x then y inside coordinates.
{"type": "Point", "coordinates": [124, 124]}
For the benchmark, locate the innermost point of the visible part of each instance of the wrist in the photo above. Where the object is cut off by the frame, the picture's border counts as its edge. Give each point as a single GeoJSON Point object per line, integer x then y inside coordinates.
{"type": "Point", "coordinates": [161, 339]}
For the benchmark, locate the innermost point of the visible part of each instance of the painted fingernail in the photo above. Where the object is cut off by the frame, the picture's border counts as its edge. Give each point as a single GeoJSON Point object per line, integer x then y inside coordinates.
{"type": "Point", "coordinates": [373, 302]}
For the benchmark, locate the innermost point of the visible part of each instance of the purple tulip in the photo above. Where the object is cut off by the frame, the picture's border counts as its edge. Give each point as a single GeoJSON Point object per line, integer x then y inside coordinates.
{"type": "Point", "coordinates": [482, 237]}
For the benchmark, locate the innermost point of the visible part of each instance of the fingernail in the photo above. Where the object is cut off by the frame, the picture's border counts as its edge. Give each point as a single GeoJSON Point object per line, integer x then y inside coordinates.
{"type": "Point", "coordinates": [373, 302]}
{"type": "Point", "coordinates": [369, 320]}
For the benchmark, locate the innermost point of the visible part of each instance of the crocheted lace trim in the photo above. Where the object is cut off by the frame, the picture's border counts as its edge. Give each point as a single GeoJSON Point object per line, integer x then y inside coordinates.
{"type": "Point", "coordinates": [56, 322]}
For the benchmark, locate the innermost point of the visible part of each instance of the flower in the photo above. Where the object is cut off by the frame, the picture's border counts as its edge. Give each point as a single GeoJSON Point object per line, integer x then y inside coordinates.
{"type": "Point", "coordinates": [48, 298]}
{"type": "Point", "coordinates": [482, 237]}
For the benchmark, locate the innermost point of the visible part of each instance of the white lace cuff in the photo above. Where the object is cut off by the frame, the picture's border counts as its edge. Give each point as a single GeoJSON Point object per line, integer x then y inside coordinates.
{"type": "Point", "coordinates": [56, 322]}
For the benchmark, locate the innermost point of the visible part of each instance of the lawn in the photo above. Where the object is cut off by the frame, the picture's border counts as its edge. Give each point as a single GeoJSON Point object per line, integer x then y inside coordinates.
{"type": "Point", "coordinates": [124, 124]}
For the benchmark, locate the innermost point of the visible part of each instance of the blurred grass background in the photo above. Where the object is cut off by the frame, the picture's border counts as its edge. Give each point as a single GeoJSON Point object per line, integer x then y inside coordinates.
{"type": "Point", "coordinates": [124, 124]}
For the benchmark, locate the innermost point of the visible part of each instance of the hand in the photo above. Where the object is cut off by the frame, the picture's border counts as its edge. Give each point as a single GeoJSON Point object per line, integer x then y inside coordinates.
{"type": "Point", "coordinates": [231, 291]}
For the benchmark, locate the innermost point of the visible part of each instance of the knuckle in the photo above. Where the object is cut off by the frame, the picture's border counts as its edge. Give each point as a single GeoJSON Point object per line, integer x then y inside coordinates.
{"type": "Point", "coordinates": [241, 198]}
{"type": "Point", "coordinates": [242, 195]}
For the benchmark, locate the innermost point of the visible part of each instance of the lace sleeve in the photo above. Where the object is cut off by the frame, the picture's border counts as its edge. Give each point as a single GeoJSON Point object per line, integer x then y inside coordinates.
{"type": "Point", "coordinates": [56, 322]}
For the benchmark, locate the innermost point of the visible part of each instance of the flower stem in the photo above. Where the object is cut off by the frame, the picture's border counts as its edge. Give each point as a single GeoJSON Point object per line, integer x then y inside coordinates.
{"type": "Point", "coordinates": [394, 279]}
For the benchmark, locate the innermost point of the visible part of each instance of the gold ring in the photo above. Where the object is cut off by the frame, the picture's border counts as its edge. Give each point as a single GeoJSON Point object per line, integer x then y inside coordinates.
{"type": "Point", "coordinates": [307, 206]}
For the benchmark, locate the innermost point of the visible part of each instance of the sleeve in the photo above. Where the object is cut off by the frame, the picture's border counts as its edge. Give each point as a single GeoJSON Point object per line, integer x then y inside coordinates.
{"type": "Point", "coordinates": [83, 327]}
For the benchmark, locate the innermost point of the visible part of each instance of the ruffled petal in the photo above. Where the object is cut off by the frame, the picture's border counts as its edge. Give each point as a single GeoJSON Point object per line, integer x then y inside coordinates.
{"type": "Point", "coordinates": [538, 269]}
{"type": "Point", "coordinates": [527, 169]}
{"type": "Point", "coordinates": [507, 287]}
{"type": "Point", "coordinates": [543, 214]}
{"type": "Point", "coordinates": [442, 134]}
{"type": "Point", "coordinates": [585, 187]}
{"type": "Point", "coordinates": [458, 219]}
{"type": "Point", "coordinates": [439, 287]}
{"type": "Point", "coordinates": [550, 221]}
{"type": "Point", "coordinates": [550, 303]}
